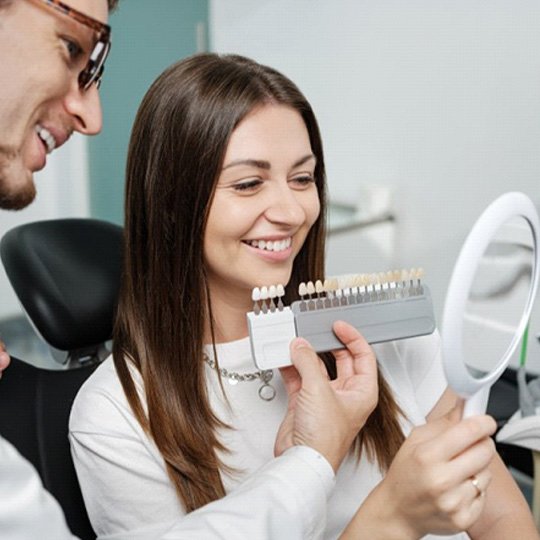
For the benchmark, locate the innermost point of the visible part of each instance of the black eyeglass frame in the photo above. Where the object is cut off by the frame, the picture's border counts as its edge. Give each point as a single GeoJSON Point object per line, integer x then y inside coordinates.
{"type": "Point", "coordinates": [93, 71]}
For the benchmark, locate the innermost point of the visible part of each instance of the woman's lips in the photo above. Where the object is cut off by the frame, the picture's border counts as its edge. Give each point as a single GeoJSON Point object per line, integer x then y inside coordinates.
{"type": "Point", "coordinates": [272, 256]}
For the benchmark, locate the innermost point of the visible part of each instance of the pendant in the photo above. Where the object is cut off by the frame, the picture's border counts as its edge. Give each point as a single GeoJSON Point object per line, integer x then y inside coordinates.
{"type": "Point", "coordinates": [232, 381]}
{"type": "Point", "coordinates": [267, 392]}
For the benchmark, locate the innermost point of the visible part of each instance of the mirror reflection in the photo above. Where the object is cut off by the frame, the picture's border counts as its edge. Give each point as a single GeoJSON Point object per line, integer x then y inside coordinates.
{"type": "Point", "coordinates": [498, 297]}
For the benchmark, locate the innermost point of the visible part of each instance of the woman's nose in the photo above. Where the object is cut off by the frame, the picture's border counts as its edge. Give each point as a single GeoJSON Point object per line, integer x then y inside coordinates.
{"type": "Point", "coordinates": [285, 207]}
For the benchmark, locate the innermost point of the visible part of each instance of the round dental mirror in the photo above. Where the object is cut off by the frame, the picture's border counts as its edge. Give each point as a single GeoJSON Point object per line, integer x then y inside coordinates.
{"type": "Point", "coordinates": [490, 297]}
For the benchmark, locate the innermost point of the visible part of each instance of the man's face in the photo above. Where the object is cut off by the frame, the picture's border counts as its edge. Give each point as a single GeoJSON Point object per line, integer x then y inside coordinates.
{"type": "Point", "coordinates": [42, 52]}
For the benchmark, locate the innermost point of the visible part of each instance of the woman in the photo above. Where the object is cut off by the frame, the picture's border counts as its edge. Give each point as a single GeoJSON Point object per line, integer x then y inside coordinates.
{"type": "Point", "coordinates": [225, 192]}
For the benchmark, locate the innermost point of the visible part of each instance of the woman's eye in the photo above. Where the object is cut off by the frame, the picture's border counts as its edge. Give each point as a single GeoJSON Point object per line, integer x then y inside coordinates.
{"type": "Point", "coordinates": [248, 185]}
{"type": "Point", "coordinates": [304, 180]}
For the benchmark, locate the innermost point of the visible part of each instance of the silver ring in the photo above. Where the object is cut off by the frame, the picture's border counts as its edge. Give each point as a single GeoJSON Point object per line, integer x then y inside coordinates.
{"type": "Point", "coordinates": [476, 484]}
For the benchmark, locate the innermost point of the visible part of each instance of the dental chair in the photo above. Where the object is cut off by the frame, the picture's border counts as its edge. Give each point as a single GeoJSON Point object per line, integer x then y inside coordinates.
{"type": "Point", "coordinates": [66, 274]}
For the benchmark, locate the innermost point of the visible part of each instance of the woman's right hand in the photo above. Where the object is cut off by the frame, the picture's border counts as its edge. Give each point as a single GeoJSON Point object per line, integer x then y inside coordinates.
{"type": "Point", "coordinates": [435, 484]}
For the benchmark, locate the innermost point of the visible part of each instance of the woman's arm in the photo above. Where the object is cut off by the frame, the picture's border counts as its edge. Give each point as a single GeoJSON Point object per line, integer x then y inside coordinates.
{"type": "Point", "coordinates": [427, 488]}
{"type": "Point", "coordinates": [506, 513]}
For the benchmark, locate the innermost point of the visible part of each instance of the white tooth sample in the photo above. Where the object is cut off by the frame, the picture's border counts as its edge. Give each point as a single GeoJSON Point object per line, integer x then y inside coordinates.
{"type": "Point", "coordinates": [341, 281]}
{"type": "Point", "coordinates": [256, 294]}
{"type": "Point", "coordinates": [420, 273]}
{"type": "Point", "coordinates": [280, 290]}
{"type": "Point", "coordinates": [319, 287]}
{"type": "Point", "coordinates": [310, 288]}
{"type": "Point", "coordinates": [302, 289]}
{"type": "Point", "coordinates": [272, 291]}
{"type": "Point", "coordinates": [264, 293]}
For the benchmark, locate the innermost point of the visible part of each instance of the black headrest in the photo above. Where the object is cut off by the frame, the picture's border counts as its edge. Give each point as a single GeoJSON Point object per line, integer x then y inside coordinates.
{"type": "Point", "coordinates": [66, 274]}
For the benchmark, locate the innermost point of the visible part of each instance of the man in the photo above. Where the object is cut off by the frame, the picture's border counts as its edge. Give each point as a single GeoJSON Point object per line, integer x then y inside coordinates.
{"type": "Point", "coordinates": [51, 57]}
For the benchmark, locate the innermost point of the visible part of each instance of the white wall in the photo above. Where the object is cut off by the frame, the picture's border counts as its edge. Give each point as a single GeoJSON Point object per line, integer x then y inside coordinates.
{"type": "Point", "coordinates": [439, 100]}
{"type": "Point", "coordinates": [62, 192]}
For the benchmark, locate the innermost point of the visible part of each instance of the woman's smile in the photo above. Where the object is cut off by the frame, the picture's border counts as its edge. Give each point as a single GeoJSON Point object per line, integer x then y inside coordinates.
{"type": "Point", "coordinates": [265, 202]}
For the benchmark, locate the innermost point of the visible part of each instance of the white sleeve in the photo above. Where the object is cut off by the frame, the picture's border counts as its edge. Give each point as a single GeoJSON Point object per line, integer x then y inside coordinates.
{"type": "Point", "coordinates": [27, 511]}
{"type": "Point", "coordinates": [287, 498]}
{"type": "Point", "coordinates": [129, 496]}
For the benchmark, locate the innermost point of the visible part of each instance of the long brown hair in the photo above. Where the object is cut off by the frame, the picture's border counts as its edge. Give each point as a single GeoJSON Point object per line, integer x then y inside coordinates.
{"type": "Point", "coordinates": [175, 156]}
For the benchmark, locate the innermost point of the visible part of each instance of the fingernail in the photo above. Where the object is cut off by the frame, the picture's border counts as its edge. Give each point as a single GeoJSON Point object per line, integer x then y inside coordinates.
{"type": "Point", "coordinates": [299, 343]}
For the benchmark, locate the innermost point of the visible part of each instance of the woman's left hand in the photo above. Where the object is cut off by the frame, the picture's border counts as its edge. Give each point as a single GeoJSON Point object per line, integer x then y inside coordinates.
{"type": "Point", "coordinates": [327, 415]}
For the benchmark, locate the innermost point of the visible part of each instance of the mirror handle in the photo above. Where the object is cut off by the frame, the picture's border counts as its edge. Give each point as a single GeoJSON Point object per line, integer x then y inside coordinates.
{"type": "Point", "coordinates": [477, 403]}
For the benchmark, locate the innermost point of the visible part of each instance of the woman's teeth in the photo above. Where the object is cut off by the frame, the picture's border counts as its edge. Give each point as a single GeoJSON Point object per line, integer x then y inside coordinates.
{"type": "Point", "coordinates": [45, 135]}
{"type": "Point", "coordinates": [269, 245]}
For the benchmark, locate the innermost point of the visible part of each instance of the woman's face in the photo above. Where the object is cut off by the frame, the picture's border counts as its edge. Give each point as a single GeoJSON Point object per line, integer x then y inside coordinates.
{"type": "Point", "coordinates": [265, 202]}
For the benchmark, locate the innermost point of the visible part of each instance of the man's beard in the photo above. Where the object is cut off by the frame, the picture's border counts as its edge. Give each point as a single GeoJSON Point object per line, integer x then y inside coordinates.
{"type": "Point", "coordinates": [13, 195]}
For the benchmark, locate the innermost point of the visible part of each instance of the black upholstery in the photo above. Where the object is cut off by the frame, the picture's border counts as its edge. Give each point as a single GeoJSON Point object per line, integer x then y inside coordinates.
{"type": "Point", "coordinates": [66, 274]}
{"type": "Point", "coordinates": [34, 412]}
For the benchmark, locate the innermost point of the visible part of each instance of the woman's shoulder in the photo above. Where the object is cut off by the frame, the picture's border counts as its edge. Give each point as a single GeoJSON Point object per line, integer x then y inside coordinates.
{"type": "Point", "coordinates": [101, 404]}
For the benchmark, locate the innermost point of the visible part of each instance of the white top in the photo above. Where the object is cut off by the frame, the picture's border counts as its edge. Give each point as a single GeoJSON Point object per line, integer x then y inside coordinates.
{"type": "Point", "coordinates": [27, 511]}
{"type": "Point", "coordinates": [124, 479]}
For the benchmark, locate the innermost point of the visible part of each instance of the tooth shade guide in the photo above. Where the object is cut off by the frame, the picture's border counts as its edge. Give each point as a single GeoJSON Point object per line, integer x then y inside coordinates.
{"type": "Point", "coordinates": [343, 290]}
{"type": "Point", "coordinates": [272, 293]}
{"type": "Point", "coordinates": [264, 298]}
{"type": "Point", "coordinates": [256, 296]}
{"type": "Point", "coordinates": [280, 290]}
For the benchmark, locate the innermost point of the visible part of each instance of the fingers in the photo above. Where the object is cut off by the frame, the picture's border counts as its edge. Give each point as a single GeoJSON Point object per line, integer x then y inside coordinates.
{"type": "Point", "coordinates": [357, 357]}
{"type": "Point", "coordinates": [291, 379]}
{"type": "Point", "coordinates": [453, 435]}
{"type": "Point", "coordinates": [306, 362]}
{"type": "Point", "coordinates": [477, 484]}
{"type": "Point", "coordinates": [474, 460]}
{"type": "Point", "coordinates": [464, 434]}
{"type": "Point", "coordinates": [463, 504]}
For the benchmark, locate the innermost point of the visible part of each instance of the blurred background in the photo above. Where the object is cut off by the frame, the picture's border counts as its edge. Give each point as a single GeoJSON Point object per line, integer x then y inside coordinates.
{"type": "Point", "coordinates": [429, 109]}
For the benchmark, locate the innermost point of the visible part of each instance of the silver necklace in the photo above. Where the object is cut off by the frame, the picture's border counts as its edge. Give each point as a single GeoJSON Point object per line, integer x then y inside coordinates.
{"type": "Point", "coordinates": [266, 391]}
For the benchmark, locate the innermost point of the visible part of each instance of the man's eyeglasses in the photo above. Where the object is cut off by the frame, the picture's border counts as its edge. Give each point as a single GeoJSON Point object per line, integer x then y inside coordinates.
{"type": "Point", "coordinates": [93, 70]}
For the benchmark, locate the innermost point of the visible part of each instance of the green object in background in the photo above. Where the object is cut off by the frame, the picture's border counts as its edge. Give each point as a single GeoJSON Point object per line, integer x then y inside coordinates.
{"type": "Point", "coordinates": [523, 352]}
{"type": "Point", "coordinates": [147, 37]}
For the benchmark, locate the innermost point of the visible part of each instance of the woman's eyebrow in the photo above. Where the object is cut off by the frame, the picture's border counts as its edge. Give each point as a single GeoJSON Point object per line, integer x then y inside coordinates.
{"type": "Point", "coordinates": [303, 160]}
{"type": "Point", "coordinates": [258, 163]}
{"type": "Point", "coordinates": [261, 164]}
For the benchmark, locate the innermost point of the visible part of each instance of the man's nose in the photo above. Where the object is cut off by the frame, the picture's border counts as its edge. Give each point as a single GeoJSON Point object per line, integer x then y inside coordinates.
{"type": "Point", "coordinates": [85, 108]}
